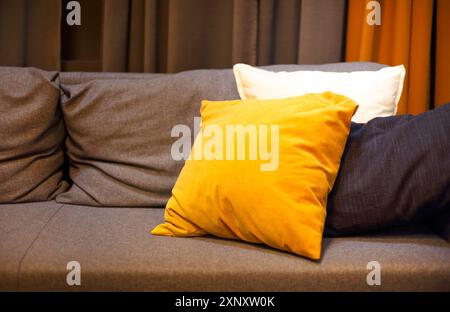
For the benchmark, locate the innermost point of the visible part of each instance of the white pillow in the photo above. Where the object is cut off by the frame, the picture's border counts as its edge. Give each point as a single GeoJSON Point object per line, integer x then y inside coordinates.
{"type": "Point", "coordinates": [376, 92]}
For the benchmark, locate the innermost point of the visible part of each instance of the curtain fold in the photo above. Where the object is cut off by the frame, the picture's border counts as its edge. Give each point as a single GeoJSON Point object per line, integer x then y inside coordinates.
{"type": "Point", "coordinates": [30, 33]}
{"type": "Point", "coordinates": [322, 25]}
{"type": "Point", "coordinates": [142, 43]}
{"type": "Point", "coordinates": [115, 35]}
{"type": "Point", "coordinates": [405, 36]}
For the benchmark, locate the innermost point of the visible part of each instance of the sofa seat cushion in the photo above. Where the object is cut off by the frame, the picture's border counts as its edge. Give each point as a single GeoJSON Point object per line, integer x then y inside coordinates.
{"type": "Point", "coordinates": [116, 252]}
{"type": "Point", "coordinates": [20, 226]}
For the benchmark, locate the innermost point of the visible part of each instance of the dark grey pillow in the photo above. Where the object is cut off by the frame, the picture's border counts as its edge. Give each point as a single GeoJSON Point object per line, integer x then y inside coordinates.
{"type": "Point", "coordinates": [31, 136]}
{"type": "Point", "coordinates": [394, 171]}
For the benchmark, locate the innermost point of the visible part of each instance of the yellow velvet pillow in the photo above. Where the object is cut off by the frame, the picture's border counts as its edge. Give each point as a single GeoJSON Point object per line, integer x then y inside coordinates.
{"type": "Point", "coordinates": [261, 171]}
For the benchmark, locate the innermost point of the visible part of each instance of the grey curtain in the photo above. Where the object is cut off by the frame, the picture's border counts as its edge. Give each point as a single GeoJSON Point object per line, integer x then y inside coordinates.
{"type": "Point", "coordinates": [175, 35]}
{"type": "Point", "coordinates": [172, 35]}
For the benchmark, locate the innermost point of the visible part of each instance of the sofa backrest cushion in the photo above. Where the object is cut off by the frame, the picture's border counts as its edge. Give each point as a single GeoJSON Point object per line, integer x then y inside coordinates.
{"type": "Point", "coordinates": [120, 129]}
{"type": "Point", "coordinates": [120, 134]}
{"type": "Point", "coordinates": [31, 136]}
{"type": "Point", "coordinates": [72, 78]}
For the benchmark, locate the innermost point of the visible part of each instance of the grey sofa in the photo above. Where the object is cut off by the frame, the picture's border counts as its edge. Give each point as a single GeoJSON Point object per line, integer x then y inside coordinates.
{"type": "Point", "coordinates": [116, 251]}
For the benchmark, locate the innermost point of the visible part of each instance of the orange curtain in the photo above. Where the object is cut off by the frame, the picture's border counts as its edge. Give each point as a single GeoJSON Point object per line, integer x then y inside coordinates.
{"type": "Point", "coordinates": [442, 81]}
{"type": "Point", "coordinates": [405, 36]}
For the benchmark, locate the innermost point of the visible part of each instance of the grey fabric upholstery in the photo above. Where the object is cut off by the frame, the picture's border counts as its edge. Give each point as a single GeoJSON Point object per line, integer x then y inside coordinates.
{"type": "Point", "coordinates": [31, 136]}
{"type": "Point", "coordinates": [120, 134]}
{"type": "Point", "coordinates": [20, 225]}
{"type": "Point", "coordinates": [116, 252]}
{"type": "Point", "coordinates": [70, 78]}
